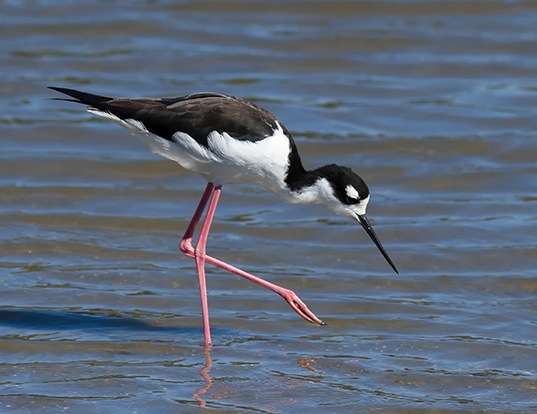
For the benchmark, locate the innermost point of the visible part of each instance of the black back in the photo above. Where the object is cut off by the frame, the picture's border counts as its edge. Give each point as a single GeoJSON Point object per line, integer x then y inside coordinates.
{"type": "Point", "coordinates": [196, 114]}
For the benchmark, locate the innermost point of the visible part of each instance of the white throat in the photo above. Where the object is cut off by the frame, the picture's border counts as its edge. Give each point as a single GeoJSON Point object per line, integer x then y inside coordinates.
{"type": "Point", "coordinates": [321, 192]}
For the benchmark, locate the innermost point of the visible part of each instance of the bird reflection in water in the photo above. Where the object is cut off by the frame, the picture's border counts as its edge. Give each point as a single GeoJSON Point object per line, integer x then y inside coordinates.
{"type": "Point", "coordinates": [205, 374]}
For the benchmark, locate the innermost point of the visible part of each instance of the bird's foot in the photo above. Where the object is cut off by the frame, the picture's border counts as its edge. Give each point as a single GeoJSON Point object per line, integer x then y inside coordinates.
{"type": "Point", "coordinates": [299, 307]}
{"type": "Point", "coordinates": [288, 295]}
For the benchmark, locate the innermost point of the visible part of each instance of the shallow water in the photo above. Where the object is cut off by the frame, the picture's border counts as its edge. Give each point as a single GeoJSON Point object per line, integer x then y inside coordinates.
{"type": "Point", "coordinates": [433, 103]}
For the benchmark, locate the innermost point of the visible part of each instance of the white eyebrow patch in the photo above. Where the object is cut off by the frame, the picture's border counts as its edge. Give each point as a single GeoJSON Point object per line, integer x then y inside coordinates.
{"type": "Point", "coordinates": [352, 192]}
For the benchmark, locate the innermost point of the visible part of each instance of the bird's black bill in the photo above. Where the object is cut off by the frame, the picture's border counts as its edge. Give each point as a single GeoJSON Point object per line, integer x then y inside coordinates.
{"type": "Point", "coordinates": [369, 230]}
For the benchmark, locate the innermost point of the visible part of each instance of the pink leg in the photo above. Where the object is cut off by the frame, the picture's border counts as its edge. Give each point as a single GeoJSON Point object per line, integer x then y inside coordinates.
{"type": "Point", "coordinates": [199, 255]}
{"type": "Point", "coordinates": [213, 193]}
{"type": "Point", "coordinates": [186, 242]}
{"type": "Point", "coordinates": [288, 295]}
{"type": "Point", "coordinates": [186, 245]}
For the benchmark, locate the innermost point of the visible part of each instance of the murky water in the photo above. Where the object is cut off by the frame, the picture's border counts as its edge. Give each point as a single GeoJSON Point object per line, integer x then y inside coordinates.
{"type": "Point", "coordinates": [434, 103]}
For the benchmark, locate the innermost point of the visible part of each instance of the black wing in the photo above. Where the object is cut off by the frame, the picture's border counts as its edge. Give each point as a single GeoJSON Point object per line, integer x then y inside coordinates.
{"type": "Point", "coordinates": [196, 115]}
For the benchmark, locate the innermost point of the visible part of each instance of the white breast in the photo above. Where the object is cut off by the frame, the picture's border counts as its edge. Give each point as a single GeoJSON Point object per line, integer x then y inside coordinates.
{"type": "Point", "coordinates": [264, 162]}
{"type": "Point", "coordinates": [228, 160]}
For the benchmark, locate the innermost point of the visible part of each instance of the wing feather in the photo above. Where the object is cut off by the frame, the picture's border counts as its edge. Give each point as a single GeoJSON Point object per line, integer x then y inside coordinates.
{"type": "Point", "coordinates": [196, 114]}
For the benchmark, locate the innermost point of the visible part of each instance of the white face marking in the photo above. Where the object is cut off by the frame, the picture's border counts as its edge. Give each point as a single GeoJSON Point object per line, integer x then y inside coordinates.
{"type": "Point", "coordinates": [321, 192]}
{"type": "Point", "coordinates": [352, 192]}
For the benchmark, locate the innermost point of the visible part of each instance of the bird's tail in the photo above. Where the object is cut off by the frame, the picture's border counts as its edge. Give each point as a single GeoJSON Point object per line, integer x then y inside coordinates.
{"type": "Point", "coordinates": [81, 97]}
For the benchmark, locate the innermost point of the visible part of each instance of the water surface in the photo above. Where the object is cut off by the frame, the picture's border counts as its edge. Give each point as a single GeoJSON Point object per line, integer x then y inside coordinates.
{"type": "Point", "coordinates": [433, 103]}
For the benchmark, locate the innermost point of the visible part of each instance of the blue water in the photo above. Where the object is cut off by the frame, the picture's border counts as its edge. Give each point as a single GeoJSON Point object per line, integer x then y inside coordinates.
{"type": "Point", "coordinates": [433, 103]}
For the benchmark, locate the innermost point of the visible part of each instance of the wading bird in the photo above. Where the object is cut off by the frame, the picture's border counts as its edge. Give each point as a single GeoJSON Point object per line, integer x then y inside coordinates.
{"type": "Point", "coordinates": [230, 140]}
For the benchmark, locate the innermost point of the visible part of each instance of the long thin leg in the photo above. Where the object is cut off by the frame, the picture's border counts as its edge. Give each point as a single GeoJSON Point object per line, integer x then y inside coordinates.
{"type": "Point", "coordinates": [186, 245]}
{"type": "Point", "coordinates": [186, 241]}
{"type": "Point", "coordinates": [288, 295]}
{"type": "Point", "coordinates": [199, 254]}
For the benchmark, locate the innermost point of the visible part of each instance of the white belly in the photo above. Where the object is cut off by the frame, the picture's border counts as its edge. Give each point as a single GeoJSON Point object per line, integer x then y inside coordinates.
{"type": "Point", "coordinates": [228, 160]}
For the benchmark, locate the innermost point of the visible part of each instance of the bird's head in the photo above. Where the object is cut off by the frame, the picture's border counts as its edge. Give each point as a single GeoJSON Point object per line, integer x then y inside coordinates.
{"type": "Point", "coordinates": [346, 193]}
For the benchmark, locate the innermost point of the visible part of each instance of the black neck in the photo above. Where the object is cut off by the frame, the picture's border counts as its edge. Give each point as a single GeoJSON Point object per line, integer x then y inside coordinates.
{"type": "Point", "coordinates": [297, 176]}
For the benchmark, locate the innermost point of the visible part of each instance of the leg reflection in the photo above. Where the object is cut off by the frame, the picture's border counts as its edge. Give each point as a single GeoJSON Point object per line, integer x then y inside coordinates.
{"type": "Point", "coordinates": [205, 374]}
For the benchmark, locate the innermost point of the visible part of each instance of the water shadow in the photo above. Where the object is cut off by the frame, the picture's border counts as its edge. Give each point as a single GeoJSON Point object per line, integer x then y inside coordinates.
{"type": "Point", "coordinates": [40, 319]}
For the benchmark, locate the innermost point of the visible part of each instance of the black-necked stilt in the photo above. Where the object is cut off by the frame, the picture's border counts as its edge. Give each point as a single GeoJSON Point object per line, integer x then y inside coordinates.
{"type": "Point", "coordinates": [230, 140]}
